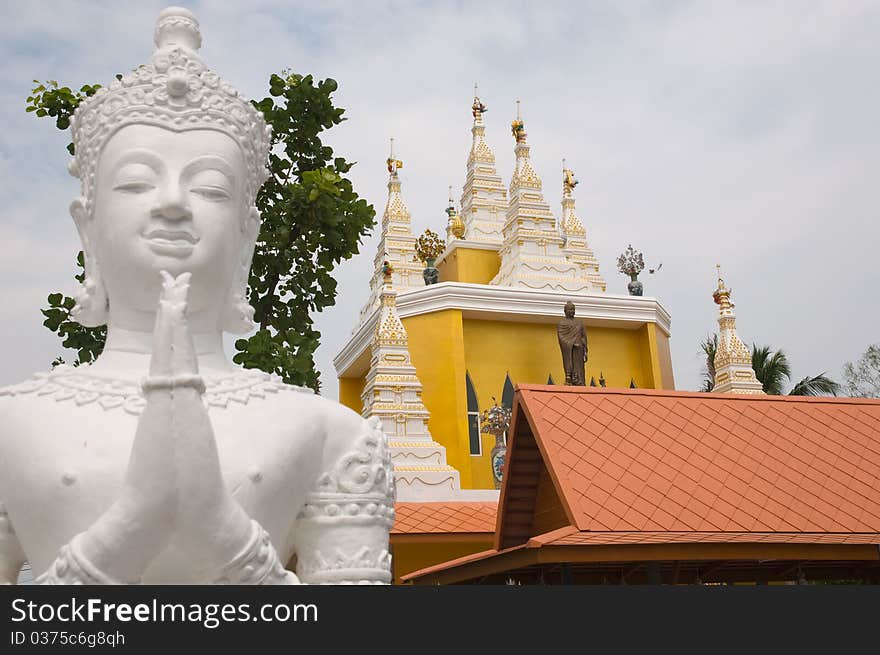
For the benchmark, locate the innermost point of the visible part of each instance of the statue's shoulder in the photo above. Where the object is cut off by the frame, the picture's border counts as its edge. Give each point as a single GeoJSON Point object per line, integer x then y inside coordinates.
{"type": "Point", "coordinates": [337, 422]}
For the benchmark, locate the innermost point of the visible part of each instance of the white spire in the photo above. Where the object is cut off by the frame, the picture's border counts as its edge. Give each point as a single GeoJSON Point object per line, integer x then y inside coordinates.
{"type": "Point", "coordinates": [575, 235]}
{"type": "Point", "coordinates": [531, 254]}
{"type": "Point", "coordinates": [393, 393]}
{"type": "Point", "coordinates": [733, 361]}
{"type": "Point", "coordinates": [396, 242]}
{"type": "Point", "coordinates": [483, 198]}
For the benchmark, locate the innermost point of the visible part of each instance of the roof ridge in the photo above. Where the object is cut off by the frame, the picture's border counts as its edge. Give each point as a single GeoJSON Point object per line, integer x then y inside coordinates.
{"type": "Point", "coordinates": [675, 393]}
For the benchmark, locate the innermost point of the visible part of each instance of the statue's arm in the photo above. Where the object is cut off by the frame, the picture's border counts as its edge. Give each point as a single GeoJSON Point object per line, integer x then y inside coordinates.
{"type": "Point", "coordinates": [12, 557]}
{"type": "Point", "coordinates": [341, 533]}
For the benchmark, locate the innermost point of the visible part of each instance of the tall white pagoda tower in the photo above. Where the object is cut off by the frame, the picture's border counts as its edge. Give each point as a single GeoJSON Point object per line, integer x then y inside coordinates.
{"type": "Point", "coordinates": [532, 252]}
{"type": "Point", "coordinates": [483, 197]}
{"type": "Point", "coordinates": [396, 242]}
{"type": "Point", "coordinates": [575, 235]}
{"type": "Point", "coordinates": [733, 361]}
{"type": "Point", "coordinates": [393, 393]}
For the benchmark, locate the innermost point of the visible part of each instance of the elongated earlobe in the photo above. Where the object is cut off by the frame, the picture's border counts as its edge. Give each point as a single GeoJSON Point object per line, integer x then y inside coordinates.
{"type": "Point", "coordinates": [91, 309]}
{"type": "Point", "coordinates": [238, 317]}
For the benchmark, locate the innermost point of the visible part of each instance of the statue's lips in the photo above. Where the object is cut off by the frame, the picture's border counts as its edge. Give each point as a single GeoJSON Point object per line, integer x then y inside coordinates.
{"type": "Point", "coordinates": [171, 242]}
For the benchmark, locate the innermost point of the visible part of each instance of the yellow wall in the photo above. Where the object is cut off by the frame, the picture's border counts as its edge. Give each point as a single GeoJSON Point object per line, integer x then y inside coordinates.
{"type": "Point", "coordinates": [437, 351]}
{"type": "Point", "coordinates": [444, 346]}
{"type": "Point", "coordinates": [350, 390]}
{"type": "Point", "coordinates": [665, 357]}
{"type": "Point", "coordinates": [470, 265]}
{"type": "Point", "coordinates": [529, 352]}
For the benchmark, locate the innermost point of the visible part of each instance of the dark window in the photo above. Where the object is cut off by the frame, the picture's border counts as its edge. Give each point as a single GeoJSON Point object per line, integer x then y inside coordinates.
{"type": "Point", "coordinates": [507, 394]}
{"type": "Point", "coordinates": [473, 417]}
{"type": "Point", "coordinates": [507, 398]}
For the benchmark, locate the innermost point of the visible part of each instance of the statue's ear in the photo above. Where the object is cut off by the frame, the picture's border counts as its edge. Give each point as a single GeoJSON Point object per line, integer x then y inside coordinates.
{"type": "Point", "coordinates": [80, 216]}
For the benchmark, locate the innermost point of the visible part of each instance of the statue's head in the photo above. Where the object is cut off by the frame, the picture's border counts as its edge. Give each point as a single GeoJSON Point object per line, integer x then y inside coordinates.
{"type": "Point", "coordinates": [569, 309]}
{"type": "Point", "coordinates": [170, 159]}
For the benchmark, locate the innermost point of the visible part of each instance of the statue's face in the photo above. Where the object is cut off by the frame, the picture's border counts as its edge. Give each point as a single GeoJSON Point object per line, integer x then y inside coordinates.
{"type": "Point", "coordinates": [169, 201]}
{"type": "Point", "coordinates": [569, 311]}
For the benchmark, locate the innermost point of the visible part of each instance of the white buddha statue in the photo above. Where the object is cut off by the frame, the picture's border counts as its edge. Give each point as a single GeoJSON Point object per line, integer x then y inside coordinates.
{"type": "Point", "coordinates": [162, 462]}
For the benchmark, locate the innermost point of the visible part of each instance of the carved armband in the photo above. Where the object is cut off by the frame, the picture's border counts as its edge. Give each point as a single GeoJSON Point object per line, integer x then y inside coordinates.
{"type": "Point", "coordinates": [342, 530]}
{"type": "Point", "coordinates": [257, 563]}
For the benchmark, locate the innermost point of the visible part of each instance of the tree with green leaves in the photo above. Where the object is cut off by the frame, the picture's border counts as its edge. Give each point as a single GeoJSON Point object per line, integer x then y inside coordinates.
{"type": "Point", "coordinates": [863, 377]}
{"type": "Point", "coordinates": [709, 346]}
{"type": "Point", "coordinates": [312, 219]}
{"type": "Point", "coordinates": [772, 370]}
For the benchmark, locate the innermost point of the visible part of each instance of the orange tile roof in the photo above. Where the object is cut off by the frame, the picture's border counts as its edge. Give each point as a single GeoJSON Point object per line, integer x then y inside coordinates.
{"type": "Point", "coordinates": [657, 461]}
{"type": "Point", "coordinates": [444, 517]}
{"type": "Point", "coordinates": [662, 467]}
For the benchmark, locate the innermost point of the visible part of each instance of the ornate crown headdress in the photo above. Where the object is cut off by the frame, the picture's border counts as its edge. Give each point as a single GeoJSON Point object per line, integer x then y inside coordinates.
{"type": "Point", "coordinates": [174, 90]}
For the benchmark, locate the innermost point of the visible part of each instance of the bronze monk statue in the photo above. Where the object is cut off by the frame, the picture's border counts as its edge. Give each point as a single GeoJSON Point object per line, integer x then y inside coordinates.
{"type": "Point", "coordinates": [573, 343]}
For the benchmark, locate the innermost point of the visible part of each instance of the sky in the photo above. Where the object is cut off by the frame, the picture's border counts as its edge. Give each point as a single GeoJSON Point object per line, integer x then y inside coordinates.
{"type": "Point", "coordinates": [739, 133]}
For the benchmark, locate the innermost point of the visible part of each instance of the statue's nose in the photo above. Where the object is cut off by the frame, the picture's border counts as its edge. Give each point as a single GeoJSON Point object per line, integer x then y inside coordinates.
{"type": "Point", "coordinates": [172, 204]}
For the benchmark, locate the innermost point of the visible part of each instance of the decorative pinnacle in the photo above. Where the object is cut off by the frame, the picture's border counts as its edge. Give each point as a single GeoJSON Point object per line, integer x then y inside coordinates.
{"type": "Point", "coordinates": [721, 295]}
{"type": "Point", "coordinates": [392, 163]}
{"type": "Point", "coordinates": [451, 201]}
{"type": "Point", "coordinates": [517, 127]}
{"type": "Point", "coordinates": [478, 108]}
{"type": "Point", "coordinates": [569, 181]}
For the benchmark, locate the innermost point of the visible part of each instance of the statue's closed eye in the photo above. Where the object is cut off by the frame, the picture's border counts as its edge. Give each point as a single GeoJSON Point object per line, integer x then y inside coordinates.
{"type": "Point", "coordinates": [135, 178]}
{"type": "Point", "coordinates": [135, 187]}
{"type": "Point", "coordinates": [211, 185]}
{"type": "Point", "coordinates": [212, 193]}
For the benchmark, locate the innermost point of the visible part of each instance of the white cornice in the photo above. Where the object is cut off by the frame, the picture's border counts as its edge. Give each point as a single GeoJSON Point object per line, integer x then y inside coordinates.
{"type": "Point", "coordinates": [490, 302]}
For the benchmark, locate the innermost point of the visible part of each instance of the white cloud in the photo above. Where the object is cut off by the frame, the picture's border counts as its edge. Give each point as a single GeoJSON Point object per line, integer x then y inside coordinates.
{"type": "Point", "coordinates": [703, 132]}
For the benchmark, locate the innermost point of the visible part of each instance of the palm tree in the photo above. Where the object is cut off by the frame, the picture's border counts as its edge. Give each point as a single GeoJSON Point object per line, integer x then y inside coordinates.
{"type": "Point", "coordinates": [772, 370]}
{"type": "Point", "coordinates": [771, 367]}
{"type": "Point", "coordinates": [709, 347]}
{"type": "Point", "coordinates": [820, 385]}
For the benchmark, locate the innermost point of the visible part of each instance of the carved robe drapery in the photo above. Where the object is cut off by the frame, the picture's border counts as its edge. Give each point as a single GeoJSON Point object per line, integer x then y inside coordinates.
{"type": "Point", "coordinates": [573, 344]}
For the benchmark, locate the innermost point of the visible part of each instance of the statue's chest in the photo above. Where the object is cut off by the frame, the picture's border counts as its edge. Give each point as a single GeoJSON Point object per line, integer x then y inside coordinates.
{"type": "Point", "coordinates": [64, 465]}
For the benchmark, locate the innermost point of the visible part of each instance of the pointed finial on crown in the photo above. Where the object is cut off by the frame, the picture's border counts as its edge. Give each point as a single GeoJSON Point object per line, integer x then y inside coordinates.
{"type": "Point", "coordinates": [517, 127]}
{"type": "Point", "coordinates": [392, 163]}
{"type": "Point", "coordinates": [177, 26]}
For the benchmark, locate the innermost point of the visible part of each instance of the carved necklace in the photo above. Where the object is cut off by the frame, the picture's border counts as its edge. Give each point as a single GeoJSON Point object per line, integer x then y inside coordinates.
{"type": "Point", "coordinates": [65, 383]}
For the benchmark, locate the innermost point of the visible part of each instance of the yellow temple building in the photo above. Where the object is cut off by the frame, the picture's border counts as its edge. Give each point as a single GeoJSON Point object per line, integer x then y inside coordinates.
{"type": "Point", "coordinates": [428, 358]}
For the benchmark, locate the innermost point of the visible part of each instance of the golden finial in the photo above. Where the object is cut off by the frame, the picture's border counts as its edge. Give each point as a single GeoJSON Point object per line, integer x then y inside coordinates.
{"type": "Point", "coordinates": [456, 225]}
{"type": "Point", "coordinates": [721, 295]}
{"type": "Point", "coordinates": [392, 163]}
{"type": "Point", "coordinates": [478, 108]}
{"type": "Point", "coordinates": [569, 181]}
{"type": "Point", "coordinates": [517, 127]}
